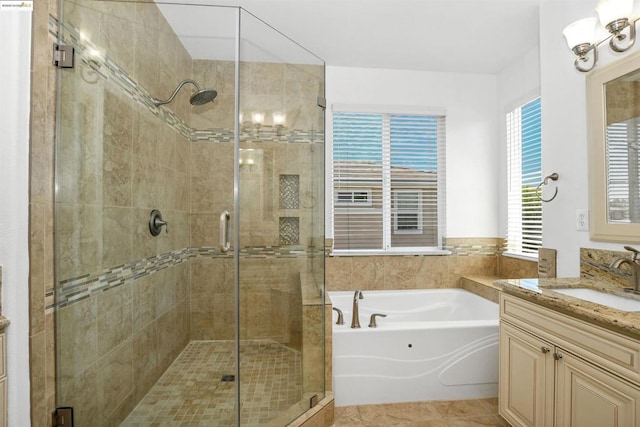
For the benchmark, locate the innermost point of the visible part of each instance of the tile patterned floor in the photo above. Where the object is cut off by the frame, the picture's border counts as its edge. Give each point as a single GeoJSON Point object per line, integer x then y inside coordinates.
{"type": "Point", "coordinates": [191, 393]}
{"type": "Point", "coordinates": [458, 413]}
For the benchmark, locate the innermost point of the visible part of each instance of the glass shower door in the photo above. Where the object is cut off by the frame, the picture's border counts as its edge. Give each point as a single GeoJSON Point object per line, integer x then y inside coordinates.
{"type": "Point", "coordinates": [281, 229]}
{"type": "Point", "coordinates": [176, 319]}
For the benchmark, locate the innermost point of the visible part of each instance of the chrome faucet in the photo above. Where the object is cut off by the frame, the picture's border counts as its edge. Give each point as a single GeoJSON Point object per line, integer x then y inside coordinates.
{"type": "Point", "coordinates": [355, 321]}
{"type": "Point", "coordinates": [634, 264]}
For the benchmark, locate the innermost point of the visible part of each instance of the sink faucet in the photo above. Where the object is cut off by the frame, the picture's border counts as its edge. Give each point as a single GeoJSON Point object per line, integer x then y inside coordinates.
{"type": "Point", "coordinates": [355, 321]}
{"type": "Point", "coordinates": [634, 264]}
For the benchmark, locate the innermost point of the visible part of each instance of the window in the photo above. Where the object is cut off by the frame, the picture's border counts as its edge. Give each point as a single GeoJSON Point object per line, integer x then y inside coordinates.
{"type": "Point", "coordinates": [353, 198]}
{"type": "Point", "coordinates": [524, 169]}
{"type": "Point", "coordinates": [388, 182]}
{"type": "Point", "coordinates": [407, 215]}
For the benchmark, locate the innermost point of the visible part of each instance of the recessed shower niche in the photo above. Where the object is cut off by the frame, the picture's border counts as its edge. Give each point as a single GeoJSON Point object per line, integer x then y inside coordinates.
{"type": "Point", "coordinates": [140, 317]}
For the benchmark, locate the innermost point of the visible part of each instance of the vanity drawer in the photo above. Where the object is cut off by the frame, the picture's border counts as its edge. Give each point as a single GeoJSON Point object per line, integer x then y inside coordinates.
{"type": "Point", "coordinates": [611, 350]}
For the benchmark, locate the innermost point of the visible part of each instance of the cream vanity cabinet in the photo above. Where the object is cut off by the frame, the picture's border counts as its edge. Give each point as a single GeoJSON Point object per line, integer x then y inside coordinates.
{"type": "Point", "coordinates": [556, 370]}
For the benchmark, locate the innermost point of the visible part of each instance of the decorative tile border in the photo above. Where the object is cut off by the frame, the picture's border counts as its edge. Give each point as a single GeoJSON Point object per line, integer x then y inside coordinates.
{"type": "Point", "coordinates": [108, 69]}
{"type": "Point", "coordinates": [266, 134]}
{"type": "Point", "coordinates": [72, 290]}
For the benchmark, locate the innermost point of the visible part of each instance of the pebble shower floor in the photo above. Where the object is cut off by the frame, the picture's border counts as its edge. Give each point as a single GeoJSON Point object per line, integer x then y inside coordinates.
{"type": "Point", "coordinates": [191, 392]}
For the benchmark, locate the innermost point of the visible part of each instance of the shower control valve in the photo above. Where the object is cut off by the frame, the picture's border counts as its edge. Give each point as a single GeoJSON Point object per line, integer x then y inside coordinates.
{"type": "Point", "coordinates": [156, 223]}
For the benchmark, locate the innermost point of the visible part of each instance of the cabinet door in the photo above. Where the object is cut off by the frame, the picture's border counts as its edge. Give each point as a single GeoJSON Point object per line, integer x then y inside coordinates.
{"type": "Point", "coordinates": [526, 378]}
{"type": "Point", "coordinates": [590, 397]}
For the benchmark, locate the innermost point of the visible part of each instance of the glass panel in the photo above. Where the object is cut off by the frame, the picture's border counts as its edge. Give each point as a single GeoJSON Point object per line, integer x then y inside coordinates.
{"type": "Point", "coordinates": [281, 233]}
{"type": "Point", "coordinates": [132, 306]}
{"type": "Point", "coordinates": [148, 307]}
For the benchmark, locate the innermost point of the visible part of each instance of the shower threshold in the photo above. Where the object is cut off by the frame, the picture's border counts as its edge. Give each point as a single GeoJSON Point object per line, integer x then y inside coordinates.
{"type": "Point", "coordinates": [191, 392]}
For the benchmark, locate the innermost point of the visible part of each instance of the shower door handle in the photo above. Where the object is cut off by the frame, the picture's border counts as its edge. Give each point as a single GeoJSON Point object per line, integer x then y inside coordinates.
{"type": "Point", "coordinates": [225, 228]}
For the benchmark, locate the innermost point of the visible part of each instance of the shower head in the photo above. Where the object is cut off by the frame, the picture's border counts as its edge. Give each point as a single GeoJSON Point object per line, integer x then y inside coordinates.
{"type": "Point", "coordinates": [202, 96]}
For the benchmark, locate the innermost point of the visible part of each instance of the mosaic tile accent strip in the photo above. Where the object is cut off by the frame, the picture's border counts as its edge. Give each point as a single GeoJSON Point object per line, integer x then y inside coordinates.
{"type": "Point", "coordinates": [289, 230]}
{"type": "Point", "coordinates": [471, 248]}
{"type": "Point", "coordinates": [75, 289]}
{"type": "Point", "coordinates": [108, 69]}
{"type": "Point", "coordinates": [191, 392]}
{"type": "Point", "coordinates": [289, 191]}
{"type": "Point", "coordinates": [266, 134]}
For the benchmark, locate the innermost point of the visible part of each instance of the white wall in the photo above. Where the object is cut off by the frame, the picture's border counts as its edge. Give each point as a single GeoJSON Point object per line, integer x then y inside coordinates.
{"type": "Point", "coordinates": [518, 83]}
{"type": "Point", "coordinates": [15, 39]}
{"type": "Point", "coordinates": [564, 133]}
{"type": "Point", "coordinates": [470, 101]}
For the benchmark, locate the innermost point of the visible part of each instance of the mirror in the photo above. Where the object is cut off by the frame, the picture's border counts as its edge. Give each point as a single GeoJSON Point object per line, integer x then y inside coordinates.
{"type": "Point", "coordinates": [613, 103]}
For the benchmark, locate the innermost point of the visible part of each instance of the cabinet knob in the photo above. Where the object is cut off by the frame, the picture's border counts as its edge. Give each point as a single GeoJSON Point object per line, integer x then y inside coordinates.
{"type": "Point", "coordinates": [557, 356]}
{"type": "Point", "coordinates": [545, 349]}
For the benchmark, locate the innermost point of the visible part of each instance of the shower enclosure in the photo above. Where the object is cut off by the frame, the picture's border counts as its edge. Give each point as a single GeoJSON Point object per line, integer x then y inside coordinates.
{"type": "Point", "coordinates": [189, 217]}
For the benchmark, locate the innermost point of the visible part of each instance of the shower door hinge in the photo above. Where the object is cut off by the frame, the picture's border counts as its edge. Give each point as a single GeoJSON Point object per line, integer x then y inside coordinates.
{"type": "Point", "coordinates": [63, 417]}
{"type": "Point", "coordinates": [63, 55]}
{"type": "Point", "coordinates": [322, 102]}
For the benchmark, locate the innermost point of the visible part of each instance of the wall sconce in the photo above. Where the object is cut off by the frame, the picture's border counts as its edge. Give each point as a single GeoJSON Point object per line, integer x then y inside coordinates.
{"type": "Point", "coordinates": [581, 35]}
{"type": "Point", "coordinates": [258, 119]}
{"type": "Point", "coordinates": [278, 122]}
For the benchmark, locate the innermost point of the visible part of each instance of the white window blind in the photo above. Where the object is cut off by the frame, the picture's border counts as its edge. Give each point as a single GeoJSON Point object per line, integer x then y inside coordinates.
{"type": "Point", "coordinates": [623, 171]}
{"type": "Point", "coordinates": [397, 160]}
{"type": "Point", "coordinates": [524, 169]}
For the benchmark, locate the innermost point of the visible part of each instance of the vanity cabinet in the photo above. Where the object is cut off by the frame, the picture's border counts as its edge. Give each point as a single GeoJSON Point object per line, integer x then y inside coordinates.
{"type": "Point", "coordinates": [556, 370]}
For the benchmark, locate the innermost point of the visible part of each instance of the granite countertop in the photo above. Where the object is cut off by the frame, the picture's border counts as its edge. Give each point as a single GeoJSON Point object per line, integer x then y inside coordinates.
{"type": "Point", "coordinates": [540, 291]}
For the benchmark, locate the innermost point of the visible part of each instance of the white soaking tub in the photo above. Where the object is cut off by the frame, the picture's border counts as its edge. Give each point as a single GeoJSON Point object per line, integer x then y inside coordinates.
{"type": "Point", "coordinates": [434, 344]}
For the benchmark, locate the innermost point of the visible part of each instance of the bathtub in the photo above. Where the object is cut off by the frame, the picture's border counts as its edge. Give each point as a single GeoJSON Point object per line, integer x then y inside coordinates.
{"type": "Point", "coordinates": [435, 344]}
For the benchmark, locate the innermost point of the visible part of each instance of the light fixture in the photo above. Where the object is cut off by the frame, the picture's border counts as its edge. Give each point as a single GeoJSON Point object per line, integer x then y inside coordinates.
{"type": "Point", "coordinates": [581, 35]}
{"type": "Point", "coordinates": [278, 122]}
{"type": "Point", "coordinates": [257, 118]}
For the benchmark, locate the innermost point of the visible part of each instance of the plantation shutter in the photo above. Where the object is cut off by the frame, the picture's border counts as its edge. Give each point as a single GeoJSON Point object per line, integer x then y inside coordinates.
{"type": "Point", "coordinates": [524, 169]}
{"type": "Point", "coordinates": [623, 203]}
{"type": "Point", "coordinates": [388, 181]}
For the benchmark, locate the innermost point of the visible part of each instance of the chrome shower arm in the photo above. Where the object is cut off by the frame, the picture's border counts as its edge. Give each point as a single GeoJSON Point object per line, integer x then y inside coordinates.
{"type": "Point", "coordinates": [159, 102]}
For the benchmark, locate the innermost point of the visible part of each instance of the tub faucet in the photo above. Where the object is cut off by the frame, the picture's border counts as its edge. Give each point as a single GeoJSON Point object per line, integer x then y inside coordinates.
{"type": "Point", "coordinates": [634, 264]}
{"type": "Point", "coordinates": [355, 321]}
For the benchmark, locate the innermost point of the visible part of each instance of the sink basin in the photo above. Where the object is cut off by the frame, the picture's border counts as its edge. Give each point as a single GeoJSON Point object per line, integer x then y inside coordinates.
{"type": "Point", "coordinates": [602, 298]}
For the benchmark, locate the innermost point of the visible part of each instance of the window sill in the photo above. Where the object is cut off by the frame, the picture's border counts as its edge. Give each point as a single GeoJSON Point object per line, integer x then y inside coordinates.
{"type": "Point", "coordinates": [425, 252]}
{"type": "Point", "coordinates": [532, 258]}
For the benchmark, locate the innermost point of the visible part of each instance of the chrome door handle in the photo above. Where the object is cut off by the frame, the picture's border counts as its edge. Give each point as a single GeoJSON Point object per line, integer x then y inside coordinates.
{"type": "Point", "coordinates": [545, 349]}
{"type": "Point", "coordinates": [225, 227]}
{"type": "Point", "coordinates": [557, 356]}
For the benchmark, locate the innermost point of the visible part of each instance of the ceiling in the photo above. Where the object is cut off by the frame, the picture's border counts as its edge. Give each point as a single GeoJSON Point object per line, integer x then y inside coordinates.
{"type": "Point", "coordinates": [479, 36]}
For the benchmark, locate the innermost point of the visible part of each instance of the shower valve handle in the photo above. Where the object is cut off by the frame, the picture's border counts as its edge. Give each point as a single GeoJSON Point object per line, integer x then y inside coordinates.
{"type": "Point", "coordinates": [156, 223]}
{"type": "Point", "coordinates": [160, 223]}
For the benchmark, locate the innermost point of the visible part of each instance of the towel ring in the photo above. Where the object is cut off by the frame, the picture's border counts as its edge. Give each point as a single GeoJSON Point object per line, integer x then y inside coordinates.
{"type": "Point", "coordinates": [553, 177]}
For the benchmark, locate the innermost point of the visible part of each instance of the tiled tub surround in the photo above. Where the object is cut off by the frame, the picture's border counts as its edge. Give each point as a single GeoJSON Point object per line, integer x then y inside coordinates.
{"type": "Point", "coordinates": [469, 257]}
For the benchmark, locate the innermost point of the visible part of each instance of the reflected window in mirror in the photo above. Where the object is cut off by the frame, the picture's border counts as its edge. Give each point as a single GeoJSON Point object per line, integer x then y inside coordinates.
{"type": "Point", "coordinates": [613, 106]}
{"type": "Point", "coordinates": [623, 130]}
